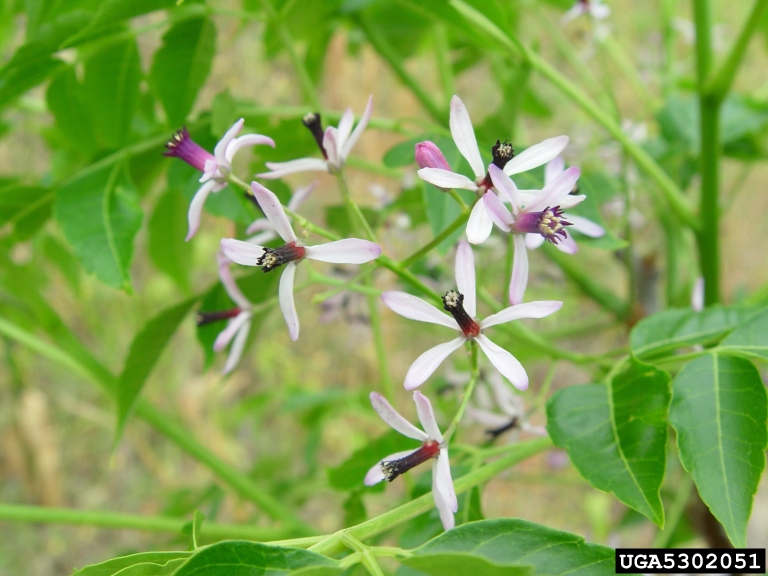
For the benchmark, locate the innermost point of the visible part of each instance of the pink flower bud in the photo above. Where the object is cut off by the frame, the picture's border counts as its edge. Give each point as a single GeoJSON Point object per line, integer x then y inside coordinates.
{"type": "Point", "coordinates": [428, 155]}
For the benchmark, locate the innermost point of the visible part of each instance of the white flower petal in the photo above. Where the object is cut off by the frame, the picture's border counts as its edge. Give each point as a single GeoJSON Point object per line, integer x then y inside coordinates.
{"type": "Point", "coordinates": [247, 140]}
{"type": "Point", "coordinates": [445, 179]}
{"type": "Point", "coordinates": [598, 10]}
{"type": "Point", "coordinates": [533, 241]}
{"type": "Point", "coordinates": [444, 482]}
{"type": "Point", "coordinates": [287, 305]}
{"type": "Point", "coordinates": [394, 419]}
{"type": "Point", "coordinates": [427, 416]}
{"type": "Point", "coordinates": [210, 169]}
{"type": "Point", "coordinates": [536, 155]}
{"type": "Point", "coordinates": [497, 211]}
{"type": "Point", "coordinates": [509, 402]}
{"type": "Point", "coordinates": [280, 169]}
{"type": "Point", "coordinates": [487, 418]}
{"type": "Point", "coordinates": [519, 279]}
{"type": "Point", "coordinates": [553, 168]}
{"type": "Point", "coordinates": [573, 12]}
{"type": "Point", "coordinates": [464, 136]}
{"type": "Point", "coordinates": [226, 335]}
{"type": "Point", "coordinates": [556, 190]}
{"type": "Point", "coordinates": [480, 224]}
{"type": "Point", "coordinates": [259, 225]}
{"type": "Point", "coordinates": [376, 474]}
{"type": "Point", "coordinates": [221, 147]}
{"type": "Point", "coordinates": [344, 129]}
{"type": "Point", "coordinates": [415, 308]}
{"type": "Point", "coordinates": [236, 350]}
{"type": "Point", "coordinates": [196, 207]}
{"type": "Point", "coordinates": [300, 195]}
{"type": "Point", "coordinates": [347, 251]}
{"type": "Point", "coordinates": [274, 212]}
{"type": "Point", "coordinates": [465, 277]}
{"type": "Point", "coordinates": [428, 362]}
{"type": "Point", "coordinates": [567, 245]}
{"type": "Point", "coordinates": [243, 253]}
{"type": "Point", "coordinates": [504, 362]}
{"type": "Point", "coordinates": [446, 516]}
{"type": "Point", "coordinates": [585, 226]}
{"type": "Point", "coordinates": [361, 125]}
{"type": "Point", "coordinates": [330, 145]}
{"type": "Point", "coordinates": [505, 186]}
{"type": "Point", "coordinates": [571, 200]}
{"type": "Point", "coordinates": [538, 309]}
{"type": "Point", "coordinates": [263, 237]}
{"type": "Point", "coordinates": [225, 275]}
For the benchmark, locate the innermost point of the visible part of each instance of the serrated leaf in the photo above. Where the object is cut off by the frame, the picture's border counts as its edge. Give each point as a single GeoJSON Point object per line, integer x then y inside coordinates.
{"type": "Point", "coordinates": [167, 229]}
{"type": "Point", "coordinates": [350, 474]}
{"type": "Point", "coordinates": [145, 350]}
{"type": "Point", "coordinates": [508, 542]}
{"type": "Point", "coordinates": [675, 328]}
{"type": "Point", "coordinates": [112, 567]}
{"type": "Point", "coordinates": [181, 66]}
{"type": "Point", "coordinates": [749, 338]}
{"type": "Point", "coordinates": [100, 217]}
{"type": "Point", "coordinates": [719, 412]}
{"type": "Point", "coordinates": [111, 89]}
{"type": "Point", "coordinates": [240, 557]}
{"type": "Point", "coordinates": [616, 434]}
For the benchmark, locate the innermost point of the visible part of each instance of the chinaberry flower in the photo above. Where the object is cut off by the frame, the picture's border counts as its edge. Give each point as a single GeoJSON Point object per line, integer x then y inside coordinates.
{"type": "Point", "coordinates": [480, 224]}
{"type": "Point", "coordinates": [582, 225]}
{"type": "Point", "coordinates": [433, 448]}
{"type": "Point", "coordinates": [541, 215]}
{"type": "Point", "coordinates": [462, 306]}
{"type": "Point", "coordinates": [347, 251]}
{"type": "Point", "coordinates": [239, 318]}
{"type": "Point", "coordinates": [335, 144]}
{"type": "Point", "coordinates": [595, 8]}
{"type": "Point", "coordinates": [263, 227]}
{"type": "Point", "coordinates": [215, 167]}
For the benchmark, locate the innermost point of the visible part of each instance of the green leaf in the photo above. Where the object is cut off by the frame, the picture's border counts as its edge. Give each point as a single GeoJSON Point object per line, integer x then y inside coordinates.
{"type": "Point", "coordinates": [719, 411]}
{"type": "Point", "coordinates": [337, 219]}
{"type": "Point", "coordinates": [26, 208]}
{"type": "Point", "coordinates": [152, 569]}
{"type": "Point", "coordinates": [750, 338]}
{"type": "Point", "coordinates": [350, 474]}
{"type": "Point", "coordinates": [114, 11]}
{"type": "Point", "coordinates": [461, 564]}
{"type": "Point", "coordinates": [111, 567]}
{"type": "Point", "coordinates": [508, 542]}
{"type": "Point", "coordinates": [616, 434]}
{"type": "Point", "coordinates": [111, 88]}
{"type": "Point", "coordinates": [223, 113]}
{"type": "Point", "coordinates": [144, 353]}
{"type": "Point", "coordinates": [599, 187]}
{"type": "Point", "coordinates": [238, 557]}
{"type": "Point", "coordinates": [66, 102]}
{"type": "Point", "coordinates": [167, 229]}
{"type": "Point", "coordinates": [181, 66]}
{"type": "Point", "coordinates": [675, 328]}
{"type": "Point", "coordinates": [100, 217]}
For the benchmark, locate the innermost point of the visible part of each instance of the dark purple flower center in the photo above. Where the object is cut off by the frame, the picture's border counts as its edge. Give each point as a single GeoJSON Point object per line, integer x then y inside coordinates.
{"type": "Point", "coordinates": [183, 147]}
{"type": "Point", "coordinates": [204, 318]}
{"type": "Point", "coordinates": [549, 223]}
{"type": "Point", "coordinates": [393, 468]}
{"type": "Point", "coordinates": [275, 257]}
{"type": "Point", "coordinates": [502, 152]}
{"type": "Point", "coordinates": [453, 302]}
{"type": "Point", "coordinates": [312, 121]}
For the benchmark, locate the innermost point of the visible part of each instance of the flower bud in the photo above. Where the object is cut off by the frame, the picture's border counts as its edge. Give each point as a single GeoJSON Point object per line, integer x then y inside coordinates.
{"type": "Point", "coordinates": [428, 155]}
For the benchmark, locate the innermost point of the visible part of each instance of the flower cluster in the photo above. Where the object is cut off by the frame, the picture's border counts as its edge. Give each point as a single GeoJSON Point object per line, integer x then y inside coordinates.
{"type": "Point", "coordinates": [531, 216]}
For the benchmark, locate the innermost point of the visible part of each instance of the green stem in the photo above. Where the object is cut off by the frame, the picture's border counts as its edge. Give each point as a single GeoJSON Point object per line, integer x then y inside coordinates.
{"type": "Point", "coordinates": [437, 240]}
{"type": "Point", "coordinates": [289, 45]}
{"type": "Point", "coordinates": [668, 41]}
{"type": "Point", "coordinates": [381, 349]}
{"type": "Point", "coordinates": [316, 276]}
{"type": "Point", "coordinates": [466, 396]}
{"type": "Point", "coordinates": [121, 521]}
{"type": "Point", "coordinates": [619, 56]}
{"type": "Point", "coordinates": [723, 78]}
{"type": "Point", "coordinates": [367, 559]}
{"type": "Point", "coordinates": [709, 161]}
{"type": "Point", "coordinates": [356, 215]}
{"type": "Point", "coordinates": [388, 53]}
{"type": "Point", "coordinates": [444, 66]}
{"type": "Point", "coordinates": [671, 192]}
{"type": "Point", "coordinates": [375, 526]}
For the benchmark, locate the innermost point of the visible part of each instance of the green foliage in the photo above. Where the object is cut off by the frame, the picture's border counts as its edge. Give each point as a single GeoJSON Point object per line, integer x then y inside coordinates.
{"type": "Point", "coordinates": [167, 229]}
{"type": "Point", "coordinates": [66, 100]}
{"type": "Point", "coordinates": [493, 544]}
{"type": "Point", "coordinates": [749, 339]}
{"type": "Point", "coordinates": [181, 66]}
{"type": "Point", "coordinates": [152, 563]}
{"type": "Point", "coordinates": [100, 217]}
{"type": "Point", "coordinates": [25, 208]}
{"type": "Point", "coordinates": [719, 411]}
{"type": "Point", "coordinates": [146, 349]}
{"type": "Point", "coordinates": [232, 557]}
{"type": "Point", "coordinates": [616, 434]}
